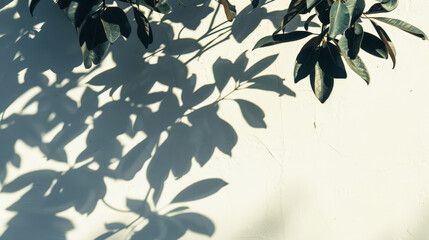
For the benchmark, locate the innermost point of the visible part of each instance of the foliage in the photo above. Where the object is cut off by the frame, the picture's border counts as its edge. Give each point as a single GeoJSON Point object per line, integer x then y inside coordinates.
{"type": "Point", "coordinates": [341, 36]}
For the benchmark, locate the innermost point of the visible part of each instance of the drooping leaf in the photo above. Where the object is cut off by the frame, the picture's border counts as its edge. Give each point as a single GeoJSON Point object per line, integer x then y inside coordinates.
{"type": "Point", "coordinates": [356, 8]}
{"type": "Point", "coordinates": [253, 114]}
{"type": "Point", "coordinates": [357, 65]}
{"type": "Point", "coordinates": [308, 21]}
{"type": "Point", "coordinates": [281, 38]}
{"type": "Point", "coordinates": [330, 61]}
{"type": "Point", "coordinates": [404, 26]}
{"type": "Point", "coordinates": [306, 59]}
{"type": "Point", "coordinates": [383, 6]}
{"type": "Point", "coordinates": [93, 37]}
{"type": "Point", "coordinates": [199, 190]}
{"type": "Point", "coordinates": [386, 40]}
{"type": "Point", "coordinates": [115, 22]}
{"type": "Point", "coordinates": [295, 7]}
{"type": "Point", "coordinates": [78, 10]}
{"type": "Point", "coordinates": [373, 45]}
{"type": "Point", "coordinates": [322, 10]}
{"type": "Point", "coordinates": [351, 40]}
{"type": "Point", "coordinates": [144, 31]}
{"type": "Point", "coordinates": [321, 83]}
{"type": "Point", "coordinates": [339, 18]}
{"type": "Point", "coordinates": [33, 4]}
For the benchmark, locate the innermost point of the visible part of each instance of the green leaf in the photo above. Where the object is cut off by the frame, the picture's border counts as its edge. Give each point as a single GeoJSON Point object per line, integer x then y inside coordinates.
{"type": "Point", "coordinates": [403, 26]}
{"type": "Point", "coordinates": [384, 6]}
{"type": "Point", "coordinates": [330, 61]}
{"type": "Point", "coordinates": [351, 41]}
{"type": "Point", "coordinates": [321, 84]}
{"type": "Point", "coordinates": [373, 45]}
{"type": "Point", "coordinates": [356, 8]}
{"type": "Point", "coordinates": [308, 21]}
{"type": "Point", "coordinates": [115, 22]}
{"type": "Point", "coordinates": [144, 31]}
{"type": "Point", "coordinates": [78, 10]}
{"type": "Point", "coordinates": [339, 18]}
{"type": "Point", "coordinates": [33, 4]}
{"type": "Point", "coordinates": [322, 10]}
{"type": "Point", "coordinates": [281, 38]}
{"type": "Point", "coordinates": [255, 3]}
{"type": "Point", "coordinates": [253, 114]}
{"type": "Point", "coordinates": [387, 42]}
{"type": "Point", "coordinates": [311, 3]}
{"type": "Point", "coordinates": [295, 7]}
{"type": "Point", "coordinates": [357, 65]}
{"type": "Point", "coordinates": [93, 40]}
{"type": "Point", "coordinates": [306, 59]}
{"type": "Point", "coordinates": [199, 190]}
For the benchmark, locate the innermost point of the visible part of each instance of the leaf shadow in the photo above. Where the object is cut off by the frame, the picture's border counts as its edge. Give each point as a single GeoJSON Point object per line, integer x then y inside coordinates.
{"type": "Point", "coordinates": [41, 74]}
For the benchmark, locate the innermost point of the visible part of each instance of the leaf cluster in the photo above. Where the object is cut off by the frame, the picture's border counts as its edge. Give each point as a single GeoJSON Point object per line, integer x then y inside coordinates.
{"type": "Point", "coordinates": [341, 37]}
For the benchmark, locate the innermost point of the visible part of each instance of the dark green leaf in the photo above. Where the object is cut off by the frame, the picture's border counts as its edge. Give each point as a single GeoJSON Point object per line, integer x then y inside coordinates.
{"type": "Point", "coordinates": [351, 40]}
{"type": "Point", "coordinates": [373, 45]}
{"type": "Point", "coordinates": [199, 190]}
{"type": "Point", "coordinates": [308, 21]}
{"type": "Point", "coordinates": [357, 65]}
{"type": "Point", "coordinates": [384, 6]}
{"type": "Point", "coordinates": [78, 10]}
{"type": "Point", "coordinates": [339, 18]}
{"type": "Point", "coordinates": [93, 37]}
{"type": "Point", "coordinates": [330, 61]}
{"type": "Point", "coordinates": [322, 10]}
{"type": "Point", "coordinates": [144, 31]}
{"type": "Point", "coordinates": [33, 4]}
{"type": "Point", "coordinates": [356, 8]}
{"type": "Point", "coordinates": [403, 26]}
{"type": "Point", "coordinates": [386, 40]}
{"type": "Point", "coordinates": [321, 84]}
{"type": "Point", "coordinates": [253, 114]}
{"type": "Point", "coordinates": [306, 59]}
{"type": "Point", "coordinates": [281, 38]}
{"type": "Point", "coordinates": [115, 22]}
{"type": "Point", "coordinates": [255, 3]}
{"type": "Point", "coordinates": [312, 3]}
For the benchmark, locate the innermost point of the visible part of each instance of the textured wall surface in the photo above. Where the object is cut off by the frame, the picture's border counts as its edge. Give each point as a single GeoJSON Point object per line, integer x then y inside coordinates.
{"type": "Point", "coordinates": [75, 144]}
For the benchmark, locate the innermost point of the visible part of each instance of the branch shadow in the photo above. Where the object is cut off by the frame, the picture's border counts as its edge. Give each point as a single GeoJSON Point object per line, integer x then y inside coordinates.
{"type": "Point", "coordinates": [41, 76]}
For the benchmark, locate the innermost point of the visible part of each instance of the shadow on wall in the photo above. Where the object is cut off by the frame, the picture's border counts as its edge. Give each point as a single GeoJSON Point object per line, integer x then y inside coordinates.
{"type": "Point", "coordinates": [189, 119]}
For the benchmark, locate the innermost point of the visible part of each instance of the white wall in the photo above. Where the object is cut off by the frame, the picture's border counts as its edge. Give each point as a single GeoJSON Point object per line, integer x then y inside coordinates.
{"type": "Point", "coordinates": [355, 167]}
